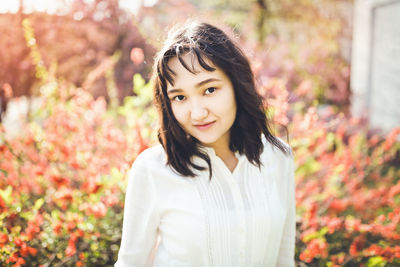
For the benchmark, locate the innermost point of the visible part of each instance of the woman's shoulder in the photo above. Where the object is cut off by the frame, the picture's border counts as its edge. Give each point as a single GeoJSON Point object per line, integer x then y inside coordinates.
{"type": "Point", "coordinates": [273, 156]}
{"type": "Point", "coordinates": [282, 163]}
{"type": "Point", "coordinates": [152, 157]}
{"type": "Point", "coordinates": [272, 148]}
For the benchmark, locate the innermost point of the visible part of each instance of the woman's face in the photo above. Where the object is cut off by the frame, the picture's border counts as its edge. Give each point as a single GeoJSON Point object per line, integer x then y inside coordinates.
{"type": "Point", "coordinates": [203, 103]}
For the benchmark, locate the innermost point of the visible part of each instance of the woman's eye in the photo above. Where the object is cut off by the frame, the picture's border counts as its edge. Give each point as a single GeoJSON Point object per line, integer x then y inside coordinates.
{"type": "Point", "coordinates": [210, 90]}
{"type": "Point", "coordinates": [178, 98]}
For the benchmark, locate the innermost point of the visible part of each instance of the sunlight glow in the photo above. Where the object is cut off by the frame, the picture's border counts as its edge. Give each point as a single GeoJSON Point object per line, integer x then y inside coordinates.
{"type": "Point", "coordinates": [53, 6]}
{"type": "Point", "coordinates": [9, 6]}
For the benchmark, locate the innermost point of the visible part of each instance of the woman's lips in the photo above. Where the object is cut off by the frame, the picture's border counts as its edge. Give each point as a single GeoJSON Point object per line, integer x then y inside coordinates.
{"type": "Point", "coordinates": [204, 126]}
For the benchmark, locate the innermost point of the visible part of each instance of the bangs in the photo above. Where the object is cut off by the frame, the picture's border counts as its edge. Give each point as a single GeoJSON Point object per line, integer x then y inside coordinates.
{"type": "Point", "coordinates": [166, 74]}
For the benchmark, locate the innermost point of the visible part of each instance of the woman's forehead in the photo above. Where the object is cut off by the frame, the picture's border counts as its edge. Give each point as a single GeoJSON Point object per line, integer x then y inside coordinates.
{"type": "Point", "coordinates": [183, 75]}
{"type": "Point", "coordinates": [191, 60]}
{"type": "Point", "coordinates": [194, 68]}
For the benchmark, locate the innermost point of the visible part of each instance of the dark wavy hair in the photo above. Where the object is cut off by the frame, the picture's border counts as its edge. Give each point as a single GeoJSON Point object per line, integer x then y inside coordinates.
{"type": "Point", "coordinates": [207, 41]}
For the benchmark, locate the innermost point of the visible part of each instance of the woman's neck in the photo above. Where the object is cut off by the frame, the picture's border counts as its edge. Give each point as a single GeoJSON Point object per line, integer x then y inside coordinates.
{"type": "Point", "coordinates": [228, 157]}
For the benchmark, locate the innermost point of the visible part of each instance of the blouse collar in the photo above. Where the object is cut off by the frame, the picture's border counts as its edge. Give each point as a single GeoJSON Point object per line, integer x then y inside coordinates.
{"type": "Point", "coordinates": [211, 152]}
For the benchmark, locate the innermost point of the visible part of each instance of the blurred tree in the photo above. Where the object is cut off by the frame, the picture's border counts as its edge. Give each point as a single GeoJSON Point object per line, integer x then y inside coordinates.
{"type": "Point", "coordinates": [155, 20]}
{"type": "Point", "coordinates": [261, 17]}
{"type": "Point", "coordinates": [20, 10]}
{"type": "Point", "coordinates": [72, 46]}
{"type": "Point", "coordinates": [278, 17]}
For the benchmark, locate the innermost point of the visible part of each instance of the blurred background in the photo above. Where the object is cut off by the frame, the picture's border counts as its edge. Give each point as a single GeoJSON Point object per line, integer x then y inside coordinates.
{"type": "Point", "coordinates": [76, 110]}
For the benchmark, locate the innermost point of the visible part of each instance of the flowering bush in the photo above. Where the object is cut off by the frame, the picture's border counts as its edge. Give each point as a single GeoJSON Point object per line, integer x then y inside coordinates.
{"type": "Point", "coordinates": [348, 183]}
{"type": "Point", "coordinates": [62, 183]}
{"type": "Point", "coordinates": [348, 193]}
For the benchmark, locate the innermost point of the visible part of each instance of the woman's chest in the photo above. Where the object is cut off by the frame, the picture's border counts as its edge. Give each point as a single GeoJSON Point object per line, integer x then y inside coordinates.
{"type": "Point", "coordinates": [240, 203]}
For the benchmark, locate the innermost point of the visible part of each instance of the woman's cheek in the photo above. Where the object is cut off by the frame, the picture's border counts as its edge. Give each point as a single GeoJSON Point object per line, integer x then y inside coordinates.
{"type": "Point", "coordinates": [179, 112]}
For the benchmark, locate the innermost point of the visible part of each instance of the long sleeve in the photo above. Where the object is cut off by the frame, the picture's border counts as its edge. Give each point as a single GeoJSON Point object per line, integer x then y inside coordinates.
{"type": "Point", "coordinates": [287, 245]}
{"type": "Point", "coordinates": [141, 218]}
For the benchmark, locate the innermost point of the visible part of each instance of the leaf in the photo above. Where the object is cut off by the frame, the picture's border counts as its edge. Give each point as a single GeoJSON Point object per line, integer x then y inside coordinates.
{"type": "Point", "coordinates": [138, 83]}
{"type": "Point", "coordinates": [116, 175]}
{"type": "Point", "coordinates": [141, 89]}
{"type": "Point", "coordinates": [55, 214]}
{"type": "Point", "coordinates": [6, 194]}
{"type": "Point", "coordinates": [38, 203]}
{"type": "Point", "coordinates": [27, 215]}
{"type": "Point", "coordinates": [316, 235]}
{"type": "Point", "coordinates": [376, 261]}
{"type": "Point", "coordinates": [5, 172]}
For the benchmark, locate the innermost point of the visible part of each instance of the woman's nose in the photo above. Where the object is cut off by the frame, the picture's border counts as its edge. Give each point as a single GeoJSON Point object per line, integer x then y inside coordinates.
{"type": "Point", "coordinates": [198, 111]}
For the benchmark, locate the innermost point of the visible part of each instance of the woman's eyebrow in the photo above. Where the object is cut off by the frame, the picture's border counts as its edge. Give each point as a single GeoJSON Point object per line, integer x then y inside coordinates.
{"type": "Point", "coordinates": [207, 81]}
{"type": "Point", "coordinates": [176, 90]}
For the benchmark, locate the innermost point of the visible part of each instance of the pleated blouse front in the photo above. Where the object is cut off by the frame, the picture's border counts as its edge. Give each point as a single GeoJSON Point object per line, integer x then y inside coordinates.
{"type": "Point", "coordinates": [240, 218]}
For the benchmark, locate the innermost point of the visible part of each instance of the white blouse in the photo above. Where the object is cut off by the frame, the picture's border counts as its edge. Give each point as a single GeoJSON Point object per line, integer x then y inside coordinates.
{"type": "Point", "coordinates": [240, 218]}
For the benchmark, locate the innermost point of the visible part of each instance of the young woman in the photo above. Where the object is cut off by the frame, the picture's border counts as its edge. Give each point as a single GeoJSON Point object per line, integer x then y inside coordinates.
{"type": "Point", "coordinates": [219, 189]}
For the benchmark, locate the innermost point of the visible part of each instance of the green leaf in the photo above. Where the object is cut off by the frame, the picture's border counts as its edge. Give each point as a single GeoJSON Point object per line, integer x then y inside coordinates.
{"type": "Point", "coordinates": [55, 214]}
{"type": "Point", "coordinates": [376, 261]}
{"type": "Point", "coordinates": [38, 203]}
{"type": "Point", "coordinates": [322, 232]}
{"type": "Point", "coordinates": [310, 237]}
{"type": "Point", "coordinates": [27, 215]}
{"type": "Point", "coordinates": [5, 172]}
{"type": "Point", "coordinates": [138, 83]}
{"type": "Point", "coordinates": [6, 194]}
